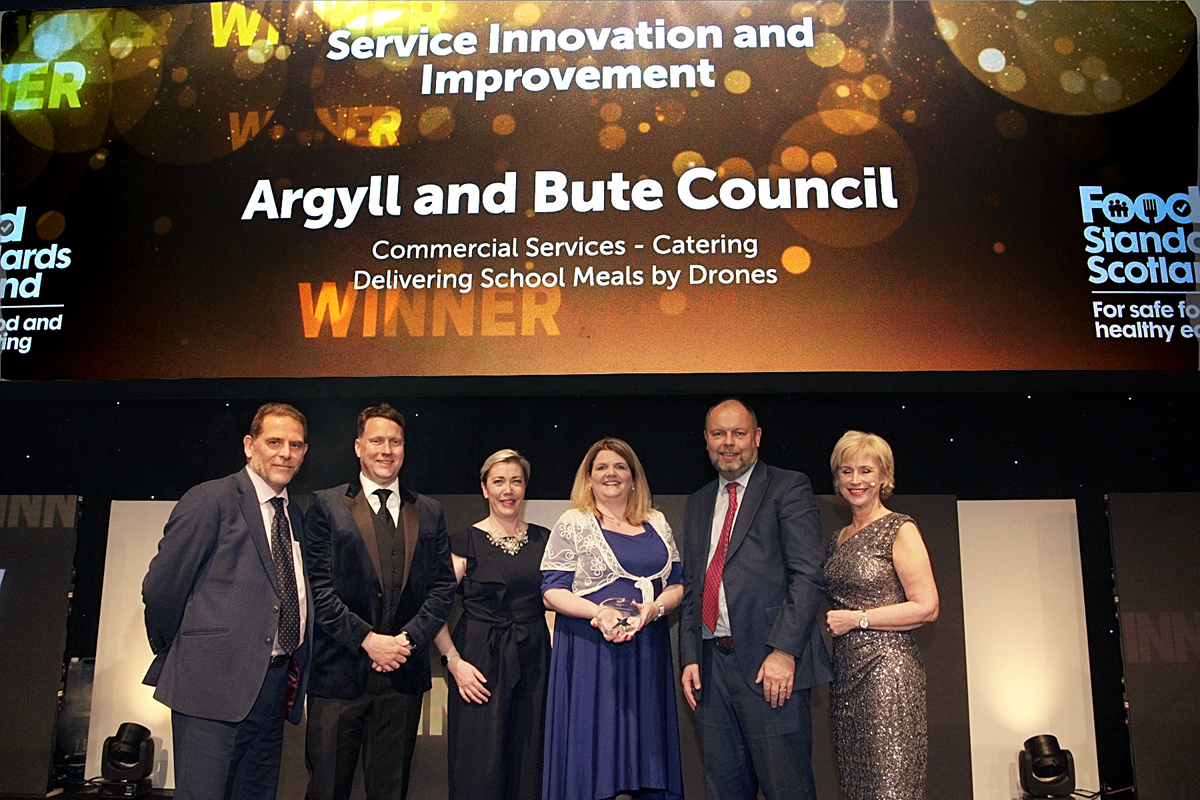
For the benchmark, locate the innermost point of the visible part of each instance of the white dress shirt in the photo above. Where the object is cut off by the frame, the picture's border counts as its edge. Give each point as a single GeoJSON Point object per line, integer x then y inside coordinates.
{"type": "Point", "coordinates": [393, 501]}
{"type": "Point", "coordinates": [265, 495]}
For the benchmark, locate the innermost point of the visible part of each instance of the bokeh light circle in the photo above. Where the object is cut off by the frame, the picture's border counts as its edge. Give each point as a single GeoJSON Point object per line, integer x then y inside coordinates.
{"type": "Point", "coordinates": [1071, 60]}
{"type": "Point", "coordinates": [824, 162]}
{"type": "Point", "coordinates": [526, 14]}
{"type": "Point", "coordinates": [685, 161]}
{"type": "Point", "coordinates": [51, 225]}
{"type": "Point", "coordinates": [827, 50]}
{"type": "Point", "coordinates": [848, 156]}
{"type": "Point", "coordinates": [670, 112]}
{"type": "Point", "coordinates": [846, 107]}
{"type": "Point", "coordinates": [735, 168]}
{"type": "Point", "coordinates": [794, 159]}
{"type": "Point", "coordinates": [796, 260]}
{"type": "Point", "coordinates": [672, 302]}
{"type": "Point", "coordinates": [991, 60]}
{"type": "Point", "coordinates": [876, 87]}
{"type": "Point", "coordinates": [737, 82]}
{"type": "Point", "coordinates": [612, 137]}
{"type": "Point", "coordinates": [436, 123]}
{"type": "Point", "coordinates": [832, 13]}
{"type": "Point", "coordinates": [503, 124]}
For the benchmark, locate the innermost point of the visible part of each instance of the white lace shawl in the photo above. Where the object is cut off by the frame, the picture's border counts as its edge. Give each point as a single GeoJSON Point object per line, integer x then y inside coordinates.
{"type": "Point", "coordinates": [577, 545]}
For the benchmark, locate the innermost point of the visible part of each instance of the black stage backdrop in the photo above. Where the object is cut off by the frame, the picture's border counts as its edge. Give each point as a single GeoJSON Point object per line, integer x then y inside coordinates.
{"type": "Point", "coordinates": [37, 546]}
{"type": "Point", "coordinates": [982, 437]}
{"type": "Point", "coordinates": [1156, 561]}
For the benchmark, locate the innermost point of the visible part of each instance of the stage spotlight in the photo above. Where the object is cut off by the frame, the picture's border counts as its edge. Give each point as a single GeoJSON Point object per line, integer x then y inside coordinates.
{"type": "Point", "coordinates": [128, 762]}
{"type": "Point", "coordinates": [1046, 770]}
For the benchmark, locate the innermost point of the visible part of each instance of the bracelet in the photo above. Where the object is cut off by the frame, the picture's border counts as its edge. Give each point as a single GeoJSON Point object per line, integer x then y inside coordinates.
{"type": "Point", "coordinates": [448, 657]}
{"type": "Point", "coordinates": [662, 610]}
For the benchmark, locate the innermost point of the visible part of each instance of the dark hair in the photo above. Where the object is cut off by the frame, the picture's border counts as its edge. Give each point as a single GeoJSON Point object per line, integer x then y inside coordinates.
{"type": "Point", "coordinates": [383, 410]}
{"type": "Point", "coordinates": [276, 410]}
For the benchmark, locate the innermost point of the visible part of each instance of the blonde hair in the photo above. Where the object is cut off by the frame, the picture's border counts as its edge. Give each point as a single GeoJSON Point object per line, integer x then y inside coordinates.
{"type": "Point", "coordinates": [637, 508]}
{"type": "Point", "coordinates": [854, 443]}
{"type": "Point", "coordinates": [503, 456]}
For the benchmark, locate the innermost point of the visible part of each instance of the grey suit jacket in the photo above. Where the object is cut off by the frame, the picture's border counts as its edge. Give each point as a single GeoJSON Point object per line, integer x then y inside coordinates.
{"type": "Point", "coordinates": [212, 603]}
{"type": "Point", "coordinates": [772, 575]}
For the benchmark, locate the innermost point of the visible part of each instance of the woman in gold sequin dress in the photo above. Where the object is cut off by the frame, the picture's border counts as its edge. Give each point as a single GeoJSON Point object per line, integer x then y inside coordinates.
{"type": "Point", "coordinates": [880, 587]}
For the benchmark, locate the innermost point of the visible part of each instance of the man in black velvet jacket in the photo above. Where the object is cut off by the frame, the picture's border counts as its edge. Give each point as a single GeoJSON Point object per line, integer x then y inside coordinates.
{"type": "Point", "coordinates": [382, 583]}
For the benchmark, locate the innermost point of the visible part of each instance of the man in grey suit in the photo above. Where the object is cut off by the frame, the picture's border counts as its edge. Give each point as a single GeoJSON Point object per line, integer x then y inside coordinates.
{"type": "Point", "coordinates": [748, 637]}
{"type": "Point", "coordinates": [382, 584]}
{"type": "Point", "coordinates": [229, 617]}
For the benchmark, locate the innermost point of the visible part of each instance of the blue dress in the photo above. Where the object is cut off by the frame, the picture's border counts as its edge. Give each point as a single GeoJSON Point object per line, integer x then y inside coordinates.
{"type": "Point", "coordinates": [611, 724]}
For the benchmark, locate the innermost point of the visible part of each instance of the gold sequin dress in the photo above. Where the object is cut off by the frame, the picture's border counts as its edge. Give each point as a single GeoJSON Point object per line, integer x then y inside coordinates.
{"type": "Point", "coordinates": [877, 698]}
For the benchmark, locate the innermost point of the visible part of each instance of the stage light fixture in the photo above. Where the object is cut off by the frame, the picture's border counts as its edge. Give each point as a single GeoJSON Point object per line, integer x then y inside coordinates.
{"type": "Point", "coordinates": [128, 762]}
{"type": "Point", "coordinates": [1046, 770]}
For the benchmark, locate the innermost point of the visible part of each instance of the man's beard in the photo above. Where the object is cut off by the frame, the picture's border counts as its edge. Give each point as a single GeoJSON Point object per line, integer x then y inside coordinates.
{"type": "Point", "coordinates": [736, 472]}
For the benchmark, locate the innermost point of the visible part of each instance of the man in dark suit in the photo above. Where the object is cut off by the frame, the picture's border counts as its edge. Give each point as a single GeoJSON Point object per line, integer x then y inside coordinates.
{"type": "Point", "coordinates": [229, 617]}
{"type": "Point", "coordinates": [748, 636]}
{"type": "Point", "coordinates": [382, 584]}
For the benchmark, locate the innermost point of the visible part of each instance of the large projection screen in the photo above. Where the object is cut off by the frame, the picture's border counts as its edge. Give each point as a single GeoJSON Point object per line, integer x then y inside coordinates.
{"type": "Point", "coordinates": [496, 188]}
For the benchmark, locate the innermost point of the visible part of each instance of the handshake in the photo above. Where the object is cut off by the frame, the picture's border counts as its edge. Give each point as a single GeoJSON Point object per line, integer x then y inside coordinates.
{"type": "Point", "coordinates": [387, 652]}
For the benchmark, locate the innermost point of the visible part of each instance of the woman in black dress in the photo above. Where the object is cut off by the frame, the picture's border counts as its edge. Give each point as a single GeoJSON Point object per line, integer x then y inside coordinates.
{"type": "Point", "coordinates": [499, 655]}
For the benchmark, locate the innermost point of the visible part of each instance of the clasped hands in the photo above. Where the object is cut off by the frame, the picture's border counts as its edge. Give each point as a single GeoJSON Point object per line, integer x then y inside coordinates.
{"type": "Point", "coordinates": [617, 630]}
{"type": "Point", "coordinates": [387, 652]}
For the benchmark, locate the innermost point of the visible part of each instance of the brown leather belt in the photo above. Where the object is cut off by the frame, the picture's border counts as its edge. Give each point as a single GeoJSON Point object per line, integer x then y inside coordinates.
{"type": "Point", "coordinates": [724, 642]}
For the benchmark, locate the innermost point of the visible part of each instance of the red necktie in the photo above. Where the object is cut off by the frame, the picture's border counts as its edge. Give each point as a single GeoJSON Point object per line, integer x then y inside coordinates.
{"type": "Point", "coordinates": [711, 604]}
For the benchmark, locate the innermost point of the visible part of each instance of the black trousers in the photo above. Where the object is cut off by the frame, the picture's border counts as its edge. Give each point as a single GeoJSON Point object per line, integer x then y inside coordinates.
{"type": "Point", "coordinates": [379, 726]}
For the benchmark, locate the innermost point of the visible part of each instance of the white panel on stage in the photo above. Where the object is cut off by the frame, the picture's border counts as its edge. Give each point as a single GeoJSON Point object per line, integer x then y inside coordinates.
{"type": "Point", "coordinates": [545, 512]}
{"type": "Point", "coordinates": [122, 650]}
{"type": "Point", "coordinates": [1026, 638]}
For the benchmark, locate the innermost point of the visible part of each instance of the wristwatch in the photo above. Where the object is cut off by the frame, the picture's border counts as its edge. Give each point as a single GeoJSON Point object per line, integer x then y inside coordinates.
{"type": "Point", "coordinates": [862, 621]}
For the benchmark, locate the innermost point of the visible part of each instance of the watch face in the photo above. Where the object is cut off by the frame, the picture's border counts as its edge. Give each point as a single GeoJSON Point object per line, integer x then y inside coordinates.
{"type": "Point", "coordinates": [862, 623]}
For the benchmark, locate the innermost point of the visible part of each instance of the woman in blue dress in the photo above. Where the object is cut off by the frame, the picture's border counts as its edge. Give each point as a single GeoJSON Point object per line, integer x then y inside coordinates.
{"type": "Point", "coordinates": [611, 725]}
